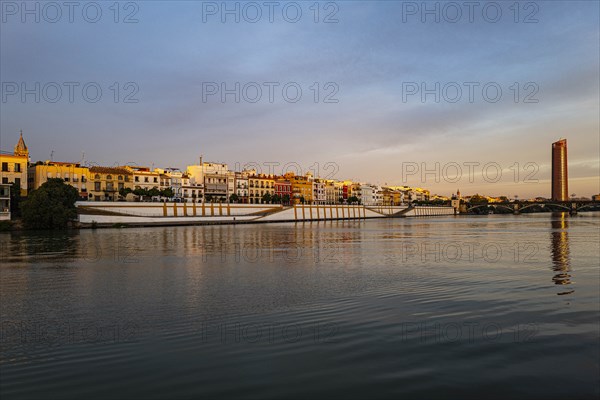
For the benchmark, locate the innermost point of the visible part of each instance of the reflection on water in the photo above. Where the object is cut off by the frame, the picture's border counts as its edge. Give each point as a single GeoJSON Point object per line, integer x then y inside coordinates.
{"type": "Point", "coordinates": [561, 258]}
{"type": "Point", "coordinates": [390, 308]}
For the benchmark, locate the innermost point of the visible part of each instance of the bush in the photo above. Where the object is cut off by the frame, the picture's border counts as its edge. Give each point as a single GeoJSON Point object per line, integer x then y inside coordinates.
{"type": "Point", "coordinates": [5, 226]}
{"type": "Point", "coordinates": [51, 206]}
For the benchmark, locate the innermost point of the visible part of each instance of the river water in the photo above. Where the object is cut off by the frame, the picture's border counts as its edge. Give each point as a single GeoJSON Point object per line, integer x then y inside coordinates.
{"type": "Point", "coordinates": [476, 307]}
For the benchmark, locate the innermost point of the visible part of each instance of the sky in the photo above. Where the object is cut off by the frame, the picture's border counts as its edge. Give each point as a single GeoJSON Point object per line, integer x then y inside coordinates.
{"type": "Point", "coordinates": [430, 94]}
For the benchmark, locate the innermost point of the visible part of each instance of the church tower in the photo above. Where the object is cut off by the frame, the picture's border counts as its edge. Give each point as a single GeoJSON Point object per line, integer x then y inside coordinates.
{"type": "Point", "coordinates": [21, 148]}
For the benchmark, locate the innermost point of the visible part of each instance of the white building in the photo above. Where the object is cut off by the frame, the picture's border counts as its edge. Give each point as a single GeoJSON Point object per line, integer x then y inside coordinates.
{"type": "Point", "coordinates": [143, 178]}
{"type": "Point", "coordinates": [371, 195]}
{"type": "Point", "coordinates": [217, 181]}
{"type": "Point", "coordinates": [241, 186]}
{"type": "Point", "coordinates": [319, 194]}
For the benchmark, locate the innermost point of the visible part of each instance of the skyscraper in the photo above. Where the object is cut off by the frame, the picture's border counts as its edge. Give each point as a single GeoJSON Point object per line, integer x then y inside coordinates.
{"type": "Point", "coordinates": [560, 186]}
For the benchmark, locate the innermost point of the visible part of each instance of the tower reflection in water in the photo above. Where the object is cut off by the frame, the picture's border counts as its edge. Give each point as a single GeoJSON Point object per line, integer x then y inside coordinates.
{"type": "Point", "coordinates": [561, 260]}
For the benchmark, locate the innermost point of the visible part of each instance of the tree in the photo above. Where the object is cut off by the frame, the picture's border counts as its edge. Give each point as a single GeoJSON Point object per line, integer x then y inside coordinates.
{"type": "Point", "coordinates": [276, 199]}
{"type": "Point", "coordinates": [125, 191]}
{"type": "Point", "coordinates": [167, 192]}
{"type": "Point", "coordinates": [286, 199]}
{"type": "Point", "coordinates": [478, 199]}
{"type": "Point", "coordinates": [51, 206]}
{"type": "Point", "coordinates": [353, 200]}
{"type": "Point", "coordinates": [140, 192]}
{"type": "Point", "coordinates": [208, 198]}
{"type": "Point", "coordinates": [341, 200]}
{"type": "Point", "coordinates": [266, 198]}
{"type": "Point", "coordinates": [15, 200]}
{"type": "Point", "coordinates": [154, 192]}
{"type": "Point", "coordinates": [234, 198]}
{"type": "Point", "coordinates": [302, 200]}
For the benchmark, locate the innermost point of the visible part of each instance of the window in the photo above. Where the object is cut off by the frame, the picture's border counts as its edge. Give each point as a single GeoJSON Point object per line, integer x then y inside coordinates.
{"type": "Point", "coordinates": [83, 178]}
{"type": "Point", "coordinates": [18, 181]}
{"type": "Point", "coordinates": [137, 178]}
{"type": "Point", "coordinates": [4, 167]}
{"type": "Point", "coordinates": [97, 186]}
{"type": "Point", "coordinates": [17, 167]}
{"type": "Point", "coordinates": [146, 179]}
{"type": "Point", "coordinates": [155, 179]}
{"type": "Point", "coordinates": [97, 177]}
{"type": "Point", "coordinates": [120, 177]}
{"type": "Point", "coordinates": [109, 177]}
{"type": "Point", "coordinates": [4, 180]}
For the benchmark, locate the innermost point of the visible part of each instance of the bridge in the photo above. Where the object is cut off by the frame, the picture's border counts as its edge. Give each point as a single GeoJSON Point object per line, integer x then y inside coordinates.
{"type": "Point", "coordinates": [571, 206]}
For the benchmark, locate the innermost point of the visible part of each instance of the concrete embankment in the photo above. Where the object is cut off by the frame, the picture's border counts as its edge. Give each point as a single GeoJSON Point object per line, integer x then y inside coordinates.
{"type": "Point", "coordinates": [148, 214]}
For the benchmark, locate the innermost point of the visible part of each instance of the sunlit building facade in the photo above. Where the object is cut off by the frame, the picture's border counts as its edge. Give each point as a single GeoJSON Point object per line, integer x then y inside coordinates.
{"type": "Point", "coordinates": [560, 176]}
{"type": "Point", "coordinates": [14, 166]}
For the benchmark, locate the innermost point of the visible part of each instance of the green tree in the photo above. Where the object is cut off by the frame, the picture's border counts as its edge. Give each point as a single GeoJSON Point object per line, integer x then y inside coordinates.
{"type": "Point", "coordinates": [478, 199]}
{"type": "Point", "coordinates": [266, 198]}
{"type": "Point", "coordinates": [302, 200]}
{"type": "Point", "coordinates": [167, 192]}
{"type": "Point", "coordinates": [286, 199]}
{"type": "Point", "coordinates": [234, 198]}
{"type": "Point", "coordinates": [276, 199]}
{"type": "Point", "coordinates": [15, 200]}
{"type": "Point", "coordinates": [51, 206]}
{"type": "Point", "coordinates": [154, 192]}
{"type": "Point", "coordinates": [208, 198]}
{"type": "Point", "coordinates": [125, 191]}
{"type": "Point", "coordinates": [353, 200]}
{"type": "Point", "coordinates": [141, 192]}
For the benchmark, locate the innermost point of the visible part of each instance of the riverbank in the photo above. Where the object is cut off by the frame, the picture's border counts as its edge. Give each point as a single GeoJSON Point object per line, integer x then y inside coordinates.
{"type": "Point", "coordinates": [100, 214]}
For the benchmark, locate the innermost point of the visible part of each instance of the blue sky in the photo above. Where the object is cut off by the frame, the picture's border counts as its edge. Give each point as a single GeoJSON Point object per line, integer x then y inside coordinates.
{"type": "Point", "coordinates": [368, 57]}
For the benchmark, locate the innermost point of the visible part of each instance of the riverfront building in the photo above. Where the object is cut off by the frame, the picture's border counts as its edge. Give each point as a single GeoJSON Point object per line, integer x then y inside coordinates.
{"type": "Point", "coordinates": [106, 182]}
{"type": "Point", "coordinates": [14, 166]}
{"type": "Point", "coordinates": [206, 182]}
{"type": "Point", "coordinates": [261, 185]}
{"type": "Point", "coordinates": [71, 173]}
{"type": "Point", "coordinates": [560, 176]}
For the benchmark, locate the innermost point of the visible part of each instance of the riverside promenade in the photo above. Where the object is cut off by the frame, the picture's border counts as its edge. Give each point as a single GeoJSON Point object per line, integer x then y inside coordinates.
{"type": "Point", "coordinates": [148, 214]}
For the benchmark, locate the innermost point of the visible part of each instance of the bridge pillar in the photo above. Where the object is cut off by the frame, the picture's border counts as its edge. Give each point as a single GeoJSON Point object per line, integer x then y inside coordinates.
{"type": "Point", "coordinates": [573, 209]}
{"type": "Point", "coordinates": [456, 205]}
{"type": "Point", "coordinates": [516, 209]}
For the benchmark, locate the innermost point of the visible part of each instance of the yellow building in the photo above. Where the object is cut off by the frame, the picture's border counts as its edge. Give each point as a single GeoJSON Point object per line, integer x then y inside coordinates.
{"type": "Point", "coordinates": [14, 166]}
{"type": "Point", "coordinates": [71, 173]}
{"type": "Point", "coordinates": [105, 182]}
{"type": "Point", "coordinates": [142, 177]}
{"type": "Point", "coordinates": [302, 188]}
{"type": "Point", "coordinates": [259, 185]}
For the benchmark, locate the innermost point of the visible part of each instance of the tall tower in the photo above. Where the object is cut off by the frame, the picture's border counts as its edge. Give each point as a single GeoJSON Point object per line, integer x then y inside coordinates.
{"type": "Point", "coordinates": [560, 176]}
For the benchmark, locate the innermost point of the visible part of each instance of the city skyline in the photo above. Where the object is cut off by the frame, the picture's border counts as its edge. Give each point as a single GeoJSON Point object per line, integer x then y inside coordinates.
{"type": "Point", "coordinates": [558, 183]}
{"type": "Point", "coordinates": [375, 125]}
